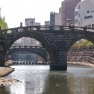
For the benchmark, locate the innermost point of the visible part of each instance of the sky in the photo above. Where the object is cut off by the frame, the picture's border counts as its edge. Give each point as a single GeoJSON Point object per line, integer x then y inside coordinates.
{"type": "Point", "coordinates": [15, 11]}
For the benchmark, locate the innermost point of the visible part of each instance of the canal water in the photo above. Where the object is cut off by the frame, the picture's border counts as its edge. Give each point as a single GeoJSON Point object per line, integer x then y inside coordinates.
{"type": "Point", "coordinates": [38, 79]}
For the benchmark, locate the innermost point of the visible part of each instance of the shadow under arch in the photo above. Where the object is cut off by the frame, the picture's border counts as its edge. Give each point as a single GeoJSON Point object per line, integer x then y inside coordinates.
{"type": "Point", "coordinates": [50, 47]}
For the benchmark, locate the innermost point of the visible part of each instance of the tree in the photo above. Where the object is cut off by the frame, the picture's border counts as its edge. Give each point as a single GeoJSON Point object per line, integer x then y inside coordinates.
{"type": "Point", "coordinates": [3, 24]}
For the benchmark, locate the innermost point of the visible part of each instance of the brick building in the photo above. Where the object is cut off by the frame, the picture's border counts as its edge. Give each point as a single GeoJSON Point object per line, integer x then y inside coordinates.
{"type": "Point", "coordinates": [68, 11]}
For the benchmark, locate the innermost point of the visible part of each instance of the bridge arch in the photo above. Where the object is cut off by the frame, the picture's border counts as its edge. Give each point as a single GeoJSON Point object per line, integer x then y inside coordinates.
{"type": "Point", "coordinates": [50, 47]}
{"type": "Point", "coordinates": [88, 36]}
{"type": "Point", "coordinates": [83, 36]}
{"type": "Point", "coordinates": [42, 52]}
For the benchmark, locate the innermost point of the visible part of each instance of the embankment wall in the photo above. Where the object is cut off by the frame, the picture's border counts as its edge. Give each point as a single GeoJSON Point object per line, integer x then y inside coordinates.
{"type": "Point", "coordinates": [81, 55]}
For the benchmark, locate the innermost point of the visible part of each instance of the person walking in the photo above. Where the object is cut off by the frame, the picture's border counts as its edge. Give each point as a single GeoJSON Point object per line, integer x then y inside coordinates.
{"type": "Point", "coordinates": [31, 24]}
{"type": "Point", "coordinates": [9, 57]}
{"type": "Point", "coordinates": [21, 25]}
{"type": "Point", "coordinates": [70, 23]}
{"type": "Point", "coordinates": [17, 59]}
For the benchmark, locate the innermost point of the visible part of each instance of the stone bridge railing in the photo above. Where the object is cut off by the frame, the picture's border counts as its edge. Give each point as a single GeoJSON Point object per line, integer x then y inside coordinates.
{"type": "Point", "coordinates": [26, 47]}
{"type": "Point", "coordinates": [43, 27]}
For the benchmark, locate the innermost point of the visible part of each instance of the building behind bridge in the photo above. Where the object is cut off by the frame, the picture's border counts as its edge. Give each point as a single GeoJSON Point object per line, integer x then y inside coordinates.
{"type": "Point", "coordinates": [84, 14]}
{"type": "Point", "coordinates": [47, 23]}
{"type": "Point", "coordinates": [55, 18]}
{"type": "Point", "coordinates": [68, 11]}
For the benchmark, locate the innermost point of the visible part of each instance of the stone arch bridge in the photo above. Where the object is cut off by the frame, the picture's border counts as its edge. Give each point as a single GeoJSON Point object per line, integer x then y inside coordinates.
{"type": "Point", "coordinates": [56, 39]}
{"type": "Point", "coordinates": [42, 52]}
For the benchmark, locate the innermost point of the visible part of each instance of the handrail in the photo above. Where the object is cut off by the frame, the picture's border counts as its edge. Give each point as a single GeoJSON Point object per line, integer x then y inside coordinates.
{"type": "Point", "coordinates": [46, 26]}
{"type": "Point", "coordinates": [43, 27]}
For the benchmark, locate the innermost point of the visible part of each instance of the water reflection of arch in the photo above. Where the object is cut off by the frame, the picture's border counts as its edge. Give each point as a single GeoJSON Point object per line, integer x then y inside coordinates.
{"type": "Point", "coordinates": [42, 52]}
{"type": "Point", "coordinates": [57, 84]}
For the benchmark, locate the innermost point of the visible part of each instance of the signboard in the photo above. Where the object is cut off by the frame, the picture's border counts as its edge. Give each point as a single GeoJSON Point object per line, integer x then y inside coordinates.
{"type": "Point", "coordinates": [86, 17]}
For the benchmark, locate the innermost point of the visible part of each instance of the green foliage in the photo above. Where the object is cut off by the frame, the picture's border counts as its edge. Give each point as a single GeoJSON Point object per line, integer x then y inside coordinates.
{"type": "Point", "coordinates": [85, 43]}
{"type": "Point", "coordinates": [7, 52]}
{"type": "Point", "coordinates": [3, 24]}
{"type": "Point", "coordinates": [51, 41]}
{"type": "Point", "coordinates": [48, 54]}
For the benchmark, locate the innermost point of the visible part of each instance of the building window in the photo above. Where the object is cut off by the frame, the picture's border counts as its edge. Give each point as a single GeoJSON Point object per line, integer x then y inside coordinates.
{"type": "Point", "coordinates": [78, 6]}
{"type": "Point", "coordinates": [93, 26]}
{"type": "Point", "coordinates": [88, 11]}
{"type": "Point", "coordinates": [85, 25]}
{"type": "Point", "coordinates": [79, 23]}
{"type": "Point", "coordinates": [79, 15]}
{"type": "Point", "coordinates": [89, 26]}
{"type": "Point", "coordinates": [76, 13]}
{"type": "Point", "coordinates": [76, 21]}
{"type": "Point", "coordinates": [64, 11]}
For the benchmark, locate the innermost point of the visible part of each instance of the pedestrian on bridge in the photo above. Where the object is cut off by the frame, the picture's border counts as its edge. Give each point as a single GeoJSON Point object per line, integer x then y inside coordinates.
{"type": "Point", "coordinates": [31, 24]}
{"type": "Point", "coordinates": [21, 29]}
{"type": "Point", "coordinates": [69, 23]}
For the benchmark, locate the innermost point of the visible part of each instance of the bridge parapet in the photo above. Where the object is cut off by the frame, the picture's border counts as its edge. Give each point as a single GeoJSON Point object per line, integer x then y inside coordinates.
{"type": "Point", "coordinates": [26, 47]}
{"type": "Point", "coordinates": [42, 28]}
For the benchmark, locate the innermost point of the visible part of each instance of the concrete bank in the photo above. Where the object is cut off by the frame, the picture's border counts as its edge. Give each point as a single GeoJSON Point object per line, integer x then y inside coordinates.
{"type": "Point", "coordinates": [81, 64]}
{"type": "Point", "coordinates": [5, 71]}
{"type": "Point", "coordinates": [8, 63]}
{"type": "Point", "coordinates": [81, 55]}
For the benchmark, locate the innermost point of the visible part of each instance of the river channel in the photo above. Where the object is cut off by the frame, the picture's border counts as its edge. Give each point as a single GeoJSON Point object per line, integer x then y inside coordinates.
{"type": "Point", "coordinates": [38, 79]}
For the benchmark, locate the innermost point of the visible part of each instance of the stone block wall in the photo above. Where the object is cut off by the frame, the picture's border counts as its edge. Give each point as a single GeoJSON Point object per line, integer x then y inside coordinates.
{"type": "Point", "coordinates": [81, 55]}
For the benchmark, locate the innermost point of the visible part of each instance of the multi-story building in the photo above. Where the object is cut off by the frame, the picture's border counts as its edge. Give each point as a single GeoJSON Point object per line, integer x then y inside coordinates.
{"type": "Point", "coordinates": [84, 16]}
{"type": "Point", "coordinates": [68, 11]}
{"type": "Point", "coordinates": [28, 20]}
{"type": "Point", "coordinates": [30, 41]}
{"type": "Point", "coordinates": [55, 18]}
{"type": "Point", "coordinates": [47, 23]}
{"type": "Point", "coordinates": [37, 24]}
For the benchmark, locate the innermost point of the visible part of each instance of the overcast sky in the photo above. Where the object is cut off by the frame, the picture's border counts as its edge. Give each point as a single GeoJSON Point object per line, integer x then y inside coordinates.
{"type": "Point", "coordinates": [15, 11]}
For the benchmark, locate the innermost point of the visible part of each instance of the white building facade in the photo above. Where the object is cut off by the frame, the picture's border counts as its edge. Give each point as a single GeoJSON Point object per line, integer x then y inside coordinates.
{"type": "Point", "coordinates": [47, 23]}
{"type": "Point", "coordinates": [55, 18]}
{"type": "Point", "coordinates": [84, 14]}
